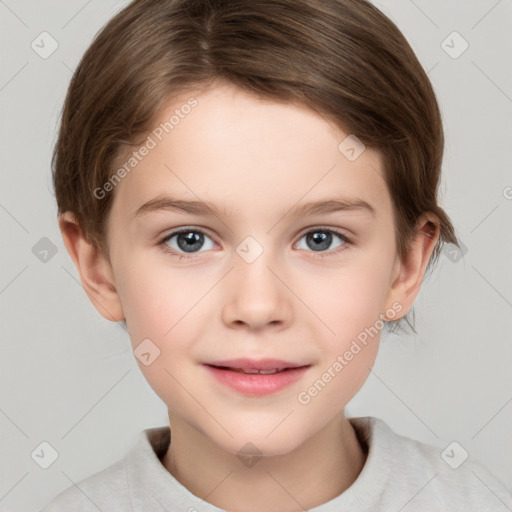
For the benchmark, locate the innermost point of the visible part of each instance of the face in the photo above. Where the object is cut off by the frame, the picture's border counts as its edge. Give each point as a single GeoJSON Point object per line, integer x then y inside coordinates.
{"type": "Point", "coordinates": [292, 260]}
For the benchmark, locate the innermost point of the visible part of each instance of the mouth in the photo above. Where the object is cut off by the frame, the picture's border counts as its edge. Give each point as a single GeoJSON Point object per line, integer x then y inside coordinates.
{"type": "Point", "coordinates": [253, 371]}
{"type": "Point", "coordinates": [257, 377]}
{"type": "Point", "coordinates": [253, 366]}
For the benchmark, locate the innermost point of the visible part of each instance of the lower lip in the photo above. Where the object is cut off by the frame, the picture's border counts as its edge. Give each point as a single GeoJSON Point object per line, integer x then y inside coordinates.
{"type": "Point", "coordinates": [256, 384]}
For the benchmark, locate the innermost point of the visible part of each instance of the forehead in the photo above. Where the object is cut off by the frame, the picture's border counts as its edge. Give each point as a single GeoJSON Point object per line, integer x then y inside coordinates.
{"type": "Point", "coordinates": [244, 153]}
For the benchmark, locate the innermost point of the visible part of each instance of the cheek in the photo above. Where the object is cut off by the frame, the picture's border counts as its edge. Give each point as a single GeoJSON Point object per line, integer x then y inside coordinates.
{"type": "Point", "coordinates": [351, 308]}
{"type": "Point", "coordinates": [349, 304]}
{"type": "Point", "coordinates": [347, 300]}
{"type": "Point", "coordinates": [150, 314]}
{"type": "Point", "coordinates": [167, 309]}
{"type": "Point", "coordinates": [154, 300]}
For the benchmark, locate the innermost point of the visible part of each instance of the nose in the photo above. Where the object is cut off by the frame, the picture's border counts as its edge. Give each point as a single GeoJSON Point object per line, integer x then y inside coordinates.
{"type": "Point", "coordinates": [255, 296]}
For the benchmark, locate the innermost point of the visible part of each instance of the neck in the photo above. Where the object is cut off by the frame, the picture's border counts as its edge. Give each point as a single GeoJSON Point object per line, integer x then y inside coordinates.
{"type": "Point", "coordinates": [315, 472]}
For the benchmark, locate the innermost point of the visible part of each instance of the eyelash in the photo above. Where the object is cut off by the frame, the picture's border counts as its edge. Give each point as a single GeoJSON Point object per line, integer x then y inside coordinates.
{"type": "Point", "coordinates": [168, 250]}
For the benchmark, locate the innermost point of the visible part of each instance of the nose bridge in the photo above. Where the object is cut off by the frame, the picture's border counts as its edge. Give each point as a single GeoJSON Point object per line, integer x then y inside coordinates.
{"type": "Point", "coordinates": [257, 296]}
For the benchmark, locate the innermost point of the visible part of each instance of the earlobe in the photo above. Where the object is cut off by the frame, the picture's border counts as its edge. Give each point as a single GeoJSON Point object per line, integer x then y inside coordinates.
{"type": "Point", "coordinates": [95, 271]}
{"type": "Point", "coordinates": [408, 274]}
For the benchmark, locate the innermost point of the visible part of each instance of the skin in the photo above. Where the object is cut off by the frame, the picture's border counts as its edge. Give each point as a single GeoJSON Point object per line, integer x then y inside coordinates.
{"type": "Point", "coordinates": [257, 159]}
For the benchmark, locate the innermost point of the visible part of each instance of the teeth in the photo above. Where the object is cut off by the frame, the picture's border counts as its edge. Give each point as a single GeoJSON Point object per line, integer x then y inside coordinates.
{"type": "Point", "coordinates": [256, 371]}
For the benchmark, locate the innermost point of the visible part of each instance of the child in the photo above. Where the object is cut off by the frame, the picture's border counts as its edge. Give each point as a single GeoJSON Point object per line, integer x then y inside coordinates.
{"type": "Point", "coordinates": [251, 187]}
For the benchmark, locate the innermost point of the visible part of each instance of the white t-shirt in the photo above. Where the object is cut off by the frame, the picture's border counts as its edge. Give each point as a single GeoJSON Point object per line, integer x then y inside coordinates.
{"type": "Point", "coordinates": [400, 474]}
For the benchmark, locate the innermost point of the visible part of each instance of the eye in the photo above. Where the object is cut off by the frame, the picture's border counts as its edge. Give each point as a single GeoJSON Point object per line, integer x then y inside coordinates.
{"type": "Point", "coordinates": [186, 241]}
{"type": "Point", "coordinates": [321, 240]}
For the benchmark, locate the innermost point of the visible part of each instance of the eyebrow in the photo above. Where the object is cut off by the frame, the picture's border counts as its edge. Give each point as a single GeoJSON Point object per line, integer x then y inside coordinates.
{"type": "Point", "coordinates": [166, 203]}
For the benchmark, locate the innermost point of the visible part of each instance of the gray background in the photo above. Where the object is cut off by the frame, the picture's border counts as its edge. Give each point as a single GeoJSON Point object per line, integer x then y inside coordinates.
{"type": "Point", "coordinates": [68, 376]}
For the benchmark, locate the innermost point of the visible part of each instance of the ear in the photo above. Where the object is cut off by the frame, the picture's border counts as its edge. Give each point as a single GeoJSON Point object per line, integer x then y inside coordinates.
{"type": "Point", "coordinates": [409, 272]}
{"type": "Point", "coordinates": [94, 268]}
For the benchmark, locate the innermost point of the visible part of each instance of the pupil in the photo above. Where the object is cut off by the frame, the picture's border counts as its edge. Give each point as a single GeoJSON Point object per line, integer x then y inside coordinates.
{"type": "Point", "coordinates": [321, 239]}
{"type": "Point", "coordinates": [190, 241]}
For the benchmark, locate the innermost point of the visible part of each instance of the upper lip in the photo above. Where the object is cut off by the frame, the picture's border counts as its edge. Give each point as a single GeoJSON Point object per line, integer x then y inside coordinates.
{"type": "Point", "coordinates": [255, 364]}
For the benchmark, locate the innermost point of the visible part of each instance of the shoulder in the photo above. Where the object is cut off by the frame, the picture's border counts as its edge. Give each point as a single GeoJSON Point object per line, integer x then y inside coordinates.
{"type": "Point", "coordinates": [426, 477]}
{"type": "Point", "coordinates": [115, 487]}
{"type": "Point", "coordinates": [96, 492]}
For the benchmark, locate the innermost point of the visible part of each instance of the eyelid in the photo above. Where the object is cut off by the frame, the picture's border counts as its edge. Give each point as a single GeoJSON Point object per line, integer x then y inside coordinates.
{"type": "Point", "coordinates": [187, 229]}
{"type": "Point", "coordinates": [344, 233]}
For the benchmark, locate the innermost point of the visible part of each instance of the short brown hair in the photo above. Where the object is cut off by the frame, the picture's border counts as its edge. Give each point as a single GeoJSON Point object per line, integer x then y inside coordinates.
{"type": "Point", "coordinates": [342, 58]}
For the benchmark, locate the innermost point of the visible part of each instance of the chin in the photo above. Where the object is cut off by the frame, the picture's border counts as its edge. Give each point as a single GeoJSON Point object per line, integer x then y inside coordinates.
{"type": "Point", "coordinates": [256, 438]}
